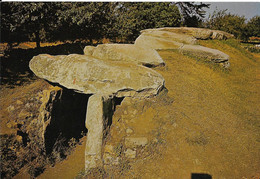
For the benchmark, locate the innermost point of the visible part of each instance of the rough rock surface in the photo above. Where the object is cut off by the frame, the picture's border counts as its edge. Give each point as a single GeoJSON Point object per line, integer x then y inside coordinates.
{"type": "Point", "coordinates": [94, 124]}
{"type": "Point", "coordinates": [129, 153]}
{"type": "Point", "coordinates": [204, 52]}
{"type": "Point", "coordinates": [196, 33]}
{"type": "Point", "coordinates": [88, 75]}
{"type": "Point", "coordinates": [88, 50]}
{"type": "Point", "coordinates": [114, 70]}
{"type": "Point", "coordinates": [104, 79]}
{"type": "Point", "coordinates": [125, 53]}
{"type": "Point", "coordinates": [159, 39]}
{"type": "Point", "coordinates": [135, 141]}
{"type": "Point", "coordinates": [156, 42]}
{"type": "Point", "coordinates": [48, 97]}
{"type": "Point", "coordinates": [184, 40]}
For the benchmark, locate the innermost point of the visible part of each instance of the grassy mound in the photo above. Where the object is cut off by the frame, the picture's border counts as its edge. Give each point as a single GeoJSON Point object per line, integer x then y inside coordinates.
{"type": "Point", "coordinates": [206, 122]}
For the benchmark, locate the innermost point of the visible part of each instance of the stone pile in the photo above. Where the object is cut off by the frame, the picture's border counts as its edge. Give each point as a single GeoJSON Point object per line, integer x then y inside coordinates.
{"type": "Point", "coordinates": [111, 71]}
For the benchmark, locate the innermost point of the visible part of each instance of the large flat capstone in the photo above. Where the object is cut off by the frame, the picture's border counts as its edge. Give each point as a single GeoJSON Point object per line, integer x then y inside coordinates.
{"type": "Point", "coordinates": [125, 53]}
{"type": "Point", "coordinates": [89, 75]}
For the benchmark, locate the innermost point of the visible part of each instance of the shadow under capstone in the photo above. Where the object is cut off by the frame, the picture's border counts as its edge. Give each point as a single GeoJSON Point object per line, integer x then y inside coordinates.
{"type": "Point", "coordinates": [67, 119]}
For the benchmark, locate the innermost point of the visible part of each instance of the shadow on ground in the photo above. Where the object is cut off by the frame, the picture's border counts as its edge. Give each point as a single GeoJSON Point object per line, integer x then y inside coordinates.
{"type": "Point", "coordinates": [15, 63]}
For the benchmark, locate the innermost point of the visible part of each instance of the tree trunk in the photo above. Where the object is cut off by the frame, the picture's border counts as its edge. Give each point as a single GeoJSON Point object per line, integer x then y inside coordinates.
{"type": "Point", "coordinates": [91, 41]}
{"type": "Point", "coordinates": [37, 38]}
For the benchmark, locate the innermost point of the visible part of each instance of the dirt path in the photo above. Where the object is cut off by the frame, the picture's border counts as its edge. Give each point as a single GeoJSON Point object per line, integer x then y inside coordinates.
{"type": "Point", "coordinates": [70, 167]}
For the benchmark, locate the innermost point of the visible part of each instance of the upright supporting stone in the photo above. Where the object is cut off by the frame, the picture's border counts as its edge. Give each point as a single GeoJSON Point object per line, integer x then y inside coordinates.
{"type": "Point", "coordinates": [94, 124]}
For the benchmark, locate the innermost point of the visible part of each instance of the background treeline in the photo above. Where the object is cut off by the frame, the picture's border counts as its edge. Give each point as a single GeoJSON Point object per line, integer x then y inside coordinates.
{"type": "Point", "coordinates": [117, 21]}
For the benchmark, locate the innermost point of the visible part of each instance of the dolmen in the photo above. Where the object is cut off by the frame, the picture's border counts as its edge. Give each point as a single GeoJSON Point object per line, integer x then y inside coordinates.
{"type": "Point", "coordinates": [110, 71]}
{"type": "Point", "coordinates": [184, 40]}
{"type": "Point", "coordinates": [104, 80]}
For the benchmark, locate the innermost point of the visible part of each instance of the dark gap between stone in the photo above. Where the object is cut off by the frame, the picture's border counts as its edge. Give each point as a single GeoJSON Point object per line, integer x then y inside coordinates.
{"type": "Point", "coordinates": [200, 176]}
{"type": "Point", "coordinates": [67, 119]}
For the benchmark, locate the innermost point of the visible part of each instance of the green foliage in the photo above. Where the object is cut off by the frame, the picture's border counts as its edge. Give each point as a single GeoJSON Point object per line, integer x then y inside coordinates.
{"type": "Point", "coordinates": [221, 20]}
{"type": "Point", "coordinates": [134, 17]}
{"type": "Point", "coordinates": [192, 13]}
{"type": "Point", "coordinates": [252, 28]}
{"type": "Point", "coordinates": [90, 20]}
{"type": "Point", "coordinates": [234, 24]}
{"type": "Point", "coordinates": [22, 21]}
{"type": "Point", "coordinates": [52, 21]}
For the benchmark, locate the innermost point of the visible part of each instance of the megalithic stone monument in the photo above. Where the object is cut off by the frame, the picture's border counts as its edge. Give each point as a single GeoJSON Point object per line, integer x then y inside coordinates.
{"type": "Point", "coordinates": [115, 70]}
{"type": "Point", "coordinates": [104, 80]}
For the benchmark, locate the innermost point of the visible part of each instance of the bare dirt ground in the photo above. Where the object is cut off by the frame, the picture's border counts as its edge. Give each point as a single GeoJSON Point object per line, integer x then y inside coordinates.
{"type": "Point", "coordinates": [207, 123]}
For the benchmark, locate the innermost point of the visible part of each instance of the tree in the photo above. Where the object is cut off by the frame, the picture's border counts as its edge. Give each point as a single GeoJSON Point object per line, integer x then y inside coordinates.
{"type": "Point", "coordinates": [133, 17]}
{"type": "Point", "coordinates": [252, 28]}
{"type": "Point", "coordinates": [85, 19]}
{"type": "Point", "coordinates": [192, 13]}
{"type": "Point", "coordinates": [23, 21]}
{"type": "Point", "coordinates": [221, 20]}
{"type": "Point", "coordinates": [10, 28]}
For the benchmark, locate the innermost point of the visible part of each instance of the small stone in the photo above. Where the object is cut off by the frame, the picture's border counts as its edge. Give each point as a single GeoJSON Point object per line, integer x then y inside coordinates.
{"type": "Point", "coordinates": [24, 114]}
{"type": "Point", "coordinates": [135, 141]}
{"type": "Point", "coordinates": [108, 149]}
{"type": "Point", "coordinates": [11, 125]}
{"type": "Point", "coordinates": [129, 153]}
{"type": "Point", "coordinates": [19, 102]}
{"type": "Point", "coordinates": [155, 140]}
{"type": "Point", "coordinates": [28, 105]}
{"type": "Point", "coordinates": [129, 131]}
{"type": "Point", "coordinates": [116, 161]}
{"type": "Point", "coordinates": [19, 138]}
{"type": "Point", "coordinates": [108, 159]}
{"type": "Point", "coordinates": [10, 108]}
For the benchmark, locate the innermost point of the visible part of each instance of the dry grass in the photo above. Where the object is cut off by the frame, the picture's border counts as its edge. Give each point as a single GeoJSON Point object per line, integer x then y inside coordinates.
{"type": "Point", "coordinates": [211, 127]}
{"type": "Point", "coordinates": [206, 123]}
{"type": "Point", "coordinates": [19, 130]}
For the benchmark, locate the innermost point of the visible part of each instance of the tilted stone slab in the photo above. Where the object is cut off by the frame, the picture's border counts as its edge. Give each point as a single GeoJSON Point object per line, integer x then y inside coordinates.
{"type": "Point", "coordinates": [197, 33]}
{"type": "Point", "coordinates": [177, 38]}
{"type": "Point", "coordinates": [125, 53]}
{"type": "Point", "coordinates": [88, 75]}
{"type": "Point", "coordinates": [184, 40]}
{"type": "Point", "coordinates": [204, 52]}
{"type": "Point", "coordinates": [156, 43]}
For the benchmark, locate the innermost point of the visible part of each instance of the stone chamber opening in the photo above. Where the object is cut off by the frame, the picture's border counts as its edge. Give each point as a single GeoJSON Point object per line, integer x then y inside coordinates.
{"type": "Point", "coordinates": [67, 121]}
{"type": "Point", "coordinates": [68, 117]}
